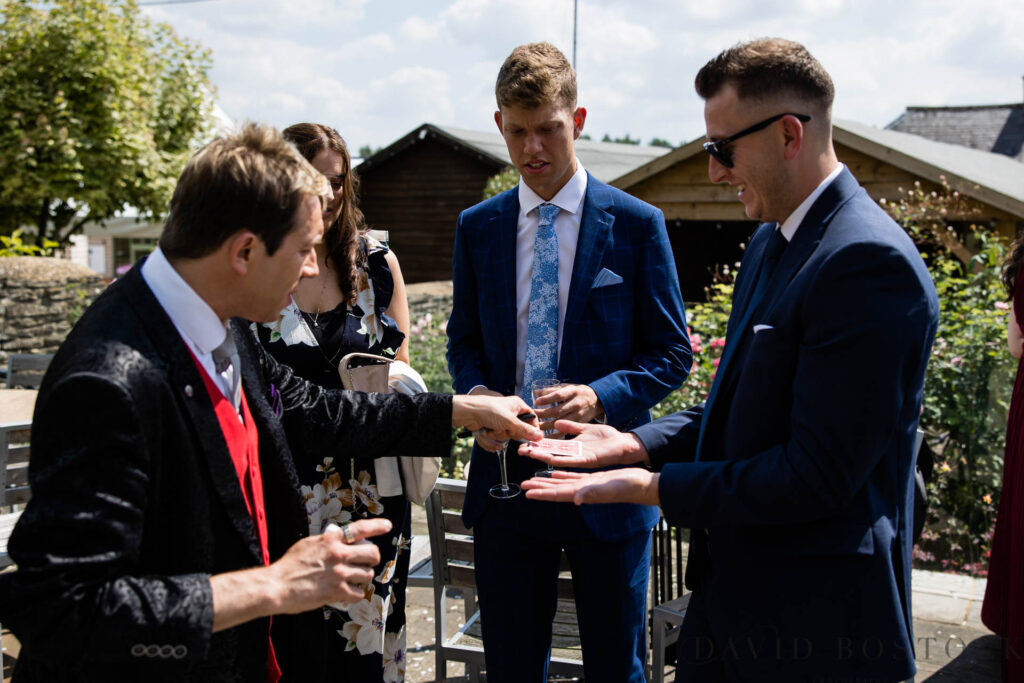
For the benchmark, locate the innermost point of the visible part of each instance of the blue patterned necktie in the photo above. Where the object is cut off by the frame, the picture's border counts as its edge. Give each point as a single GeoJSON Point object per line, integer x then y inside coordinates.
{"type": "Point", "coordinates": [542, 325]}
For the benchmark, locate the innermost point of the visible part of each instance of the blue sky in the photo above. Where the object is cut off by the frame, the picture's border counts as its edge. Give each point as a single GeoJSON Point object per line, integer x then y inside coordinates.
{"type": "Point", "coordinates": [376, 69]}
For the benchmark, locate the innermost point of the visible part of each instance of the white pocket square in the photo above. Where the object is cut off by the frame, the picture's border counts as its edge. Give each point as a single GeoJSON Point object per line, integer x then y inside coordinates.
{"type": "Point", "coordinates": [761, 328]}
{"type": "Point", "coordinates": [606, 278]}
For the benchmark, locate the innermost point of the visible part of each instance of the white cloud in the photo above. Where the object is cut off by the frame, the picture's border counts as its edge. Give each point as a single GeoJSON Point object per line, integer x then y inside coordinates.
{"type": "Point", "coordinates": [371, 45]}
{"type": "Point", "coordinates": [375, 70]}
{"type": "Point", "coordinates": [420, 30]}
{"type": "Point", "coordinates": [414, 94]}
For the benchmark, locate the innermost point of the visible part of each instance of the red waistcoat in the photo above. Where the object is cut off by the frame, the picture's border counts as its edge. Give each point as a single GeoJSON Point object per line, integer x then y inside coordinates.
{"type": "Point", "coordinates": [243, 443]}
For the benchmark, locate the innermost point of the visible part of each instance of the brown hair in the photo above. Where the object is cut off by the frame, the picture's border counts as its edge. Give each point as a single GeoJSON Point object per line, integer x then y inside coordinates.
{"type": "Point", "coordinates": [768, 68]}
{"type": "Point", "coordinates": [536, 74]}
{"type": "Point", "coordinates": [1012, 265]}
{"type": "Point", "coordinates": [250, 180]}
{"type": "Point", "coordinates": [342, 237]}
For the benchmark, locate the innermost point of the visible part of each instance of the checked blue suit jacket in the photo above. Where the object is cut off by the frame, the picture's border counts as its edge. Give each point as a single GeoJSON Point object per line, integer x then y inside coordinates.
{"type": "Point", "coordinates": [627, 339]}
{"type": "Point", "coordinates": [800, 492]}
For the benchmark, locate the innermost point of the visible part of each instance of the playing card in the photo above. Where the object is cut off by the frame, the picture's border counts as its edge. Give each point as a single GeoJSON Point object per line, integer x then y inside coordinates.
{"type": "Point", "coordinates": [559, 447]}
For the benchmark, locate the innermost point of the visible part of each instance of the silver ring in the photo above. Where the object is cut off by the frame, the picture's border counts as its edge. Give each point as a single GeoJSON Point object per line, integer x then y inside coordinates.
{"type": "Point", "coordinates": [350, 538]}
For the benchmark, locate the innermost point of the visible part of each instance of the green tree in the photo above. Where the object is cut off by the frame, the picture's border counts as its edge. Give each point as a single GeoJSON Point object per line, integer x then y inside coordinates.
{"type": "Point", "coordinates": [99, 110]}
{"type": "Point", "coordinates": [366, 151]}
{"type": "Point", "coordinates": [625, 139]}
{"type": "Point", "coordinates": [660, 142]}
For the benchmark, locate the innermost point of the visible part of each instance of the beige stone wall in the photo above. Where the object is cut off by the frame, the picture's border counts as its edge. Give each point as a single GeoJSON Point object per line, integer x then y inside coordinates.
{"type": "Point", "coordinates": [39, 300]}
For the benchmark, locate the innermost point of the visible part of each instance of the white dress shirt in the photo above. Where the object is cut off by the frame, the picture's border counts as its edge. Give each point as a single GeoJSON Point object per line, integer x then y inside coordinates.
{"type": "Point", "coordinates": [195, 321]}
{"type": "Point", "coordinates": [567, 226]}
{"type": "Point", "coordinates": [790, 225]}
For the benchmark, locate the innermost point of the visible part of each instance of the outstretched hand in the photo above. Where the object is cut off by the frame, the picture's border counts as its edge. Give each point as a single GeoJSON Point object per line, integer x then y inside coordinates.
{"type": "Point", "coordinates": [603, 446]}
{"type": "Point", "coordinates": [630, 485]}
{"type": "Point", "coordinates": [498, 415]}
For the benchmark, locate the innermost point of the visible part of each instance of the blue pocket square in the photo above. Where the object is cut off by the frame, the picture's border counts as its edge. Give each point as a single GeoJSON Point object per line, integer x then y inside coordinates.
{"type": "Point", "coordinates": [606, 278]}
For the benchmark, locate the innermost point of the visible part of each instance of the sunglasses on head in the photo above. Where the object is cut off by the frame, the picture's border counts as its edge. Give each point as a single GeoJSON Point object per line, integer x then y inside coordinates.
{"type": "Point", "coordinates": [719, 149]}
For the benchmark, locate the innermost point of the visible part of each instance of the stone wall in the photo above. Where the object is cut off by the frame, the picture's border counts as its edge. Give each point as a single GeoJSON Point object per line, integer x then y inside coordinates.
{"type": "Point", "coordinates": [40, 298]}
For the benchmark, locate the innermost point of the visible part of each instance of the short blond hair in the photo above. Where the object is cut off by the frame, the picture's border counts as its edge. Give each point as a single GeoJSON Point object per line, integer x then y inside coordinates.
{"type": "Point", "coordinates": [536, 74]}
{"type": "Point", "coordinates": [253, 180]}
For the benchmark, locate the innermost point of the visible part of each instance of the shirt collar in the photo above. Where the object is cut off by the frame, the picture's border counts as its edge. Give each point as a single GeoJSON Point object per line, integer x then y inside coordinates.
{"type": "Point", "coordinates": [193, 317]}
{"type": "Point", "coordinates": [790, 225]}
{"type": "Point", "coordinates": [569, 198]}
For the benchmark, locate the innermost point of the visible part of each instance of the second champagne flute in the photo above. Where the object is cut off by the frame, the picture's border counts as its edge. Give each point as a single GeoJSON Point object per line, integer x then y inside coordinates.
{"type": "Point", "coordinates": [539, 387]}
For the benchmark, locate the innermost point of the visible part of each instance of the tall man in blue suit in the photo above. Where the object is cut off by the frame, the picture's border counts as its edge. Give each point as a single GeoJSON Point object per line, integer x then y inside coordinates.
{"type": "Point", "coordinates": [796, 473]}
{"type": "Point", "coordinates": [562, 277]}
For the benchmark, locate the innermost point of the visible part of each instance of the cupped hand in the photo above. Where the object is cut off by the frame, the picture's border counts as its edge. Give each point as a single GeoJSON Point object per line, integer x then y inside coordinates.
{"type": "Point", "coordinates": [603, 446]}
{"type": "Point", "coordinates": [328, 569]}
{"type": "Point", "coordinates": [630, 485]}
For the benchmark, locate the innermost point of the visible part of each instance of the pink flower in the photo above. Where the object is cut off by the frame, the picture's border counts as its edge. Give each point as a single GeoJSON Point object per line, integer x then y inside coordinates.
{"type": "Point", "coordinates": [715, 362]}
{"type": "Point", "coordinates": [1002, 305]}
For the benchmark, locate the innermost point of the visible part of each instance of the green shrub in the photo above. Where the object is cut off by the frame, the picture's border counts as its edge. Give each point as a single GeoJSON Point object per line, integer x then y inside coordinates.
{"type": "Point", "coordinates": [14, 245]}
{"type": "Point", "coordinates": [706, 325]}
{"type": "Point", "coordinates": [969, 379]}
{"type": "Point", "coordinates": [427, 346]}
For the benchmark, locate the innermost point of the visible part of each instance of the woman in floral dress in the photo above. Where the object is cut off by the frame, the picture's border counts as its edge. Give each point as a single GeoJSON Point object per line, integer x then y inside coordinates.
{"type": "Point", "coordinates": [356, 303]}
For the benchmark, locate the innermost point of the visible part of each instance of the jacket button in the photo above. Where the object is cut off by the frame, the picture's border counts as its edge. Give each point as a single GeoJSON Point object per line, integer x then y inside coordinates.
{"type": "Point", "coordinates": [153, 651]}
{"type": "Point", "coordinates": [188, 390]}
{"type": "Point", "coordinates": [180, 651]}
{"type": "Point", "coordinates": [138, 650]}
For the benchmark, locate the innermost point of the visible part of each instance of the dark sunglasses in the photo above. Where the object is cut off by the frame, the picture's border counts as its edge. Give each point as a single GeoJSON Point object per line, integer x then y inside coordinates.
{"type": "Point", "coordinates": [719, 148]}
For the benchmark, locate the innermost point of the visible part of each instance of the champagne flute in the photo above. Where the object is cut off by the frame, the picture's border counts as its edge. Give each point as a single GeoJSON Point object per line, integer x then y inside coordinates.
{"type": "Point", "coordinates": [539, 387]}
{"type": "Point", "coordinates": [504, 489]}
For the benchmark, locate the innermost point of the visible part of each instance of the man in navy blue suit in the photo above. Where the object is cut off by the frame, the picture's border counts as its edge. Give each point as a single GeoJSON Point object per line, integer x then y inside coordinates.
{"type": "Point", "coordinates": [796, 473]}
{"type": "Point", "coordinates": [562, 276]}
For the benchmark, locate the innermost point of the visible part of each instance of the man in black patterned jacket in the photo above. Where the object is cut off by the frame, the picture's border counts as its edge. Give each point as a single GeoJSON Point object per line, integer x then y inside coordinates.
{"type": "Point", "coordinates": [166, 524]}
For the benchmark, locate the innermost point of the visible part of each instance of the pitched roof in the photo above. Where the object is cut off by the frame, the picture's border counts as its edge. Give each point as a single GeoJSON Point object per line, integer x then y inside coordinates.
{"type": "Point", "coordinates": [991, 178]}
{"type": "Point", "coordinates": [605, 160]}
{"type": "Point", "coordinates": [995, 179]}
{"type": "Point", "coordinates": [995, 128]}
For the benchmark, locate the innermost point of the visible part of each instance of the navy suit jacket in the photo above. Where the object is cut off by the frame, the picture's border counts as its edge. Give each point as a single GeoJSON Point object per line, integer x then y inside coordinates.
{"type": "Point", "coordinates": [803, 479]}
{"type": "Point", "coordinates": [627, 340]}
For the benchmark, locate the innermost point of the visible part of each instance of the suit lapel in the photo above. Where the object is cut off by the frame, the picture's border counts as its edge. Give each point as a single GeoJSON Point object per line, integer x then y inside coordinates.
{"type": "Point", "coordinates": [595, 232]}
{"type": "Point", "coordinates": [808, 236]}
{"type": "Point", "coordinates": [806, 239]}
{"type": "Point", "coordinates": [501, 274]}
{"type": "Point", "coordinates": [186, 382]}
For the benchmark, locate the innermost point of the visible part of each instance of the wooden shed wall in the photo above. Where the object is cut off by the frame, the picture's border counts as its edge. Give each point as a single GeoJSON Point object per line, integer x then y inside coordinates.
{"type": "Point", "coordinates": [417, 196]}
